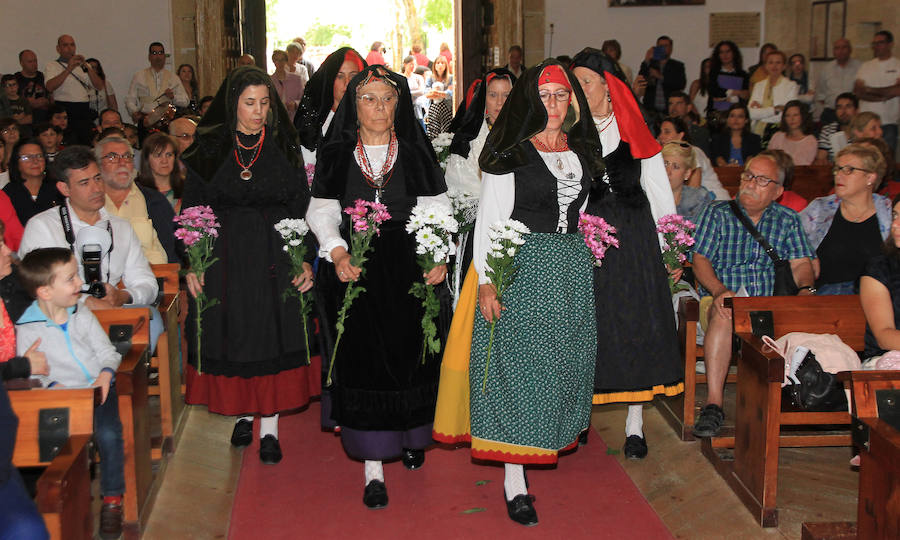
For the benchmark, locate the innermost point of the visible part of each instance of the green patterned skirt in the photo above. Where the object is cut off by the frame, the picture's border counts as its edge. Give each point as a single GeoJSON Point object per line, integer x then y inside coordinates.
{"type": "Point", "coordinates": [541, 371]}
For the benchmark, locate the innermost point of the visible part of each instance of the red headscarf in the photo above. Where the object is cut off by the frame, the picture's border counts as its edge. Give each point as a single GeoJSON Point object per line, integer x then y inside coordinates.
{"type": "Point", "coordinates": [632, 127]}
{"type": "Point", "coordinates": [470, 93]}
{"type": "Point", "coordinates": [351, 56]}
{"type": "Point", "coordinates": [554, 74]}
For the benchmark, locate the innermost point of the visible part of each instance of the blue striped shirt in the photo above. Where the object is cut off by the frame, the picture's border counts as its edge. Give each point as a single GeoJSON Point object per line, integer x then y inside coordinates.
{"type": "Point", "coordinates": [737, 257]}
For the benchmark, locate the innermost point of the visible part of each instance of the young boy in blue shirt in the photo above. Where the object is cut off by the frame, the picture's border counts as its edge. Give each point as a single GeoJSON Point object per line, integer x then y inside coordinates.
{"type": "Point", "coordinates": [79, 355]}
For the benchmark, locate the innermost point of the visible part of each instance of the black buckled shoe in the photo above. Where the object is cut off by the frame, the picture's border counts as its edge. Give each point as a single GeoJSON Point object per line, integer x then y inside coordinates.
{"type": "Point", "coordinates": [583, 438]}
{"type": "Point", "coordinates": [413, 459]}
{"type": "Point", "coordinates": [111, 521]}
{"type": "Point", "coordinates": [375, 496]}
{"type": "Point", "coordinates": [709, 422]}
{"type": "Point", "coordinates": [243, 433]}
{"type": "Point", "coordinates": [269, 450]}
{"type": "Point", "coordinates": [521, 510]}
{"type": "Point", "coordinates": [635, 447]}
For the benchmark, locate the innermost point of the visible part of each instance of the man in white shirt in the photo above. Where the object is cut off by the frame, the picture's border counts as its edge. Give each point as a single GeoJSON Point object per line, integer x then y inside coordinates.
{"type": "Point", "coordinates": [878, 86]}
{"type": "Point", "coordinates": [72, 81]}
{"type": "Point", "coordinates": [154, 86]}
{"type": "Point", "coordinates": [835, 78]}
{"type": "Point", "coordinates": [123, 261]}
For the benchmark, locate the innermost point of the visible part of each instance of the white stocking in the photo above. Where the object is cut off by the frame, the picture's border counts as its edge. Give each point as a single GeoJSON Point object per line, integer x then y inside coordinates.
{"type": "Point", "coordinates": [268, 425]}
{"type": "Point", "coordinates": [374, 471]}
{"type": "Point", "coordinates": [634, 423]}
{"type": "Point", "coordinates": [514, 482]}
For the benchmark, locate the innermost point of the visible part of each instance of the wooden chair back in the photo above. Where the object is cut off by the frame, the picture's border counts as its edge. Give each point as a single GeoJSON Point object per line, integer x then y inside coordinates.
{"type": "Point", "coordinates": [28, 404]}
{"type": "Point", "coordinates": [810, 181]}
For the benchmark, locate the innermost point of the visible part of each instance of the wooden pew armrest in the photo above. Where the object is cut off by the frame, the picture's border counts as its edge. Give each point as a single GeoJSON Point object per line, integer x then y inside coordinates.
{"type": "Point", "coordinates": [762, 356]}
{"type": "Point", "coordinates": [134, 365]}
{"type": "Point", "coordinates": [689, 309]}
{"type": "Point", "coordinates": [52, 483]}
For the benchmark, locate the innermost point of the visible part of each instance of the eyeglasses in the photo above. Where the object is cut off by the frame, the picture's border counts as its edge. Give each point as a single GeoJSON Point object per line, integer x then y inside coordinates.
{"type": "Point", "coordinates": [761, 181]}
{"type": "Point", "coordinates": [10, 129]}
{"type": "Point", "coordinates": [157, 53]}
{"type": "Point", "coordinates": [112, 157]}
{"type": "Point", "coordinates": [672, 165]}
{"type": "Point", "coordinates": [559, 95]}
{"type": "Point", "coordinates": [11, 84]}
{"type": "Point", "coordinates": [371, 100]}
{"type": "Point", "coordinates": [25, 158]}
{"type": "Point", "coordinates": [185, 136]}
{"type": "Point", "coordinates": [847, 170]}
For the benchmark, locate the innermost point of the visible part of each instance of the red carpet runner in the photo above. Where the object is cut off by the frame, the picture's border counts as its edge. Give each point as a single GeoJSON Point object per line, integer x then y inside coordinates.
{"type": "Point", "coordinates": [316, 492]}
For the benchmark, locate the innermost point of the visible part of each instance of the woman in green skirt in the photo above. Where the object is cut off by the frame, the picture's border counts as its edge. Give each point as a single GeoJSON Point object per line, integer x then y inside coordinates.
{"type": "Point", "coordinates": [533, 398]}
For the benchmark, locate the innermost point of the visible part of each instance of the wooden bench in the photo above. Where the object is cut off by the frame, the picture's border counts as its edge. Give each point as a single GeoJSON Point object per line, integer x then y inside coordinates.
{"type": "Point", "coordinates": [131, 386]}
{"type": "Point", "coordinates": [747, 456]}
{"type": "Point", "coordinates": [810, 181]}
{"type": "Point", "coordinates": [64, 488]}
{"type": "Point", "coordinates": [681, 411]}
{"type": "Point", "coordinates": [167, 359]}
{"type": "Point", "coordinates": [878, 515]}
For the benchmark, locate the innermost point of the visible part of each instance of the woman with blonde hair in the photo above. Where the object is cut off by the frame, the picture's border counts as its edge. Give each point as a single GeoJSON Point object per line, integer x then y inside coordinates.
{"type": "Point", "coordinates": [678, 158]}
{"type": "Point", "coordinates": [865, 124]}
{"type": "Point", "coordinates": [769, 96]}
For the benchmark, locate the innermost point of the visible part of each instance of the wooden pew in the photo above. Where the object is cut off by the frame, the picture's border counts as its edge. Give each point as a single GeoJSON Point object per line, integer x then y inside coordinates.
{"type": "Point", "coordinates": [751, 468]}
{"type": "Point", "coordinates": [167, 359]}
{"type": "Point", "coordinates": [878, 514]}
{"type": "Point", "coordinates": [810, 181]}
{"type": "Point", "coordinates": [131, 386]}
{"type": "Point", "coordinates": [64, 488]}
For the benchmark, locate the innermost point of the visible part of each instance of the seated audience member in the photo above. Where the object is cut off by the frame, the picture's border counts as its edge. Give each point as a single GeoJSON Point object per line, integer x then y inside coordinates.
{"type": "Point", "coordinates": [796, 71]}
{"type": "Point", "coordinates": [726, 259]}
{"type": "Point", "coordinates": [678, 158]}
{"type": "Point", "coordinates": [795, 134]}
{"type": "Point", "coordinates": [110, 118]}
{"type": "Point", "coordinates": [888, 185]}
{"type": "Point", "coordinates": [31, 190]}
{"type": "Point", "coordinates": [50, 137]}
{"type": "Point", "coordinates": [147, 210]}
{"type": "Point", "coordinates": [79, 355]}
{"type": "Point", "coordinates": [836, 135]}
{"type": "Point", "coordinates": [788, 198]}
{"type": "Point", "coordinates": [131, 135]}
{"type": "Point", "coordinates": [680, 107]}
{"type": "Point", "coordinates": [865, 124]}
{"type": "Point", "coordinates": [769, 97]}
{"type": "Point", "coordinates": [879, 294]}
{"type": "Point", "coordinates": [159, 168]}
{"type": "Point", "coordinates": [9, 132]}
{"type": "Point", "coordinates": [15, 106]}
{"type": "Point", "coordinates": [204, 104]}
{"type": "Point", "coordinates": [80, 181]}
{"type": "Point", "coordinates": [673, 129]}
{"type": "Point", "coordinates": [59, 117]}
{"type": "Point", "coordinates": [736, 144]}
{"type": "Point", "coordinates": [182, 131]}
{"type": "Point", "coordinates": [848, 227]}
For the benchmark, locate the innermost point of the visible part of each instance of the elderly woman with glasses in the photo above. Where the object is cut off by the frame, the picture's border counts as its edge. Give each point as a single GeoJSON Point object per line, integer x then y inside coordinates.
{"type": "Point", "coordinates": [848, 227]}
{"type": "Point", "coordinates": [29, 188]}
{"type": "Point", "coordinates": [384, 385]}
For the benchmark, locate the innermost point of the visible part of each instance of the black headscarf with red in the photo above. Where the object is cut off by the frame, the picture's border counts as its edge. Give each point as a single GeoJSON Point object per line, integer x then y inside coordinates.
{"type": "Point", "coordinates": [467, 122]}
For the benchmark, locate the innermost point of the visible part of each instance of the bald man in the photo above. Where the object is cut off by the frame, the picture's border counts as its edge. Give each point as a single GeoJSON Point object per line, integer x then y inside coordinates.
{"type": "Point", "coordinates": [246, 60]}
{"type": "Point", "coordinates": [835, 78]}
{"type": "Point", "coordinates": [72, 81]}
{"type": "Point", "coordinates": [182, 130]}
{"type": "Point", "coordinates": [32, 86]}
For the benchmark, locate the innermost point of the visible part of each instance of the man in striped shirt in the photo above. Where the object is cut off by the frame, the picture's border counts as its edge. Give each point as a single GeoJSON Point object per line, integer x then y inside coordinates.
{"type": "Point", "coordinates": [726, 257]}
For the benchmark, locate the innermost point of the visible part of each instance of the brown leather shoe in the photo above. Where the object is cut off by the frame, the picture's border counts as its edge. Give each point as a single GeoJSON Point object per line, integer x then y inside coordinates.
{"type": "Point", "coordinates": [110, 521]}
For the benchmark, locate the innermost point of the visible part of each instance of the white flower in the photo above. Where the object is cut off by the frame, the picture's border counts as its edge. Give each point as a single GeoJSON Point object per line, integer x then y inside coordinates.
{"type": "Point", "coordinates": [294, 242]}
{"type": "Point", "coordinates": [285, 248]}
{"type": "Point", "coordinates": [511, 251]}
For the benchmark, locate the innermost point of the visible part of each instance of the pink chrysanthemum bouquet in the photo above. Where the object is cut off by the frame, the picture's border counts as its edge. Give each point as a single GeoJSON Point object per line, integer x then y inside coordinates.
{"type": "Point", "coordinates": [678, 236]}
{"type": "Point", "coordinates": [598, 235]}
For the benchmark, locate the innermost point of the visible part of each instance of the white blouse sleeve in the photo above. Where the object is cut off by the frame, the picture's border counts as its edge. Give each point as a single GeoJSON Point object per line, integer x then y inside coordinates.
{"type": "Point", "coordinates": [324, 219]}
{"type": "Point", "coordinates": [441, 199]}
{"type": "Point", "coordinates": [463, 174]}
{"type": "Point", "coordinates": [498, 194]}
{"type": "Point", "coordinates": [656, 185]}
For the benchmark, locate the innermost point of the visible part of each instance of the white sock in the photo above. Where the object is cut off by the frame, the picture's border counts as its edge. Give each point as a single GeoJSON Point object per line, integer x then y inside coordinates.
{"type": "Point", "coordinates": [247, 418]}
{"type": "Point", "coordinates": [268, 425]}
{"type": "Point", "coordinates": [634, 423]}
{"type": "Point", "coordinates": [514, 481]}
{"type": "Point", "coordinates": [374, 471]}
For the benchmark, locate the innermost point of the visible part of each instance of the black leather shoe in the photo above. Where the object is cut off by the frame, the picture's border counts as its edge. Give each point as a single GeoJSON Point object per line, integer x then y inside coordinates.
{"type": "Point", "coordinates": [413, 459]}
{"type": "Point", "coordinates": [375, 495]}
{"type": "Point", "coordinates": [243, 433]}
{"type": "Point", "coordinates": [635, 447]}
{"type": "Point", "coordinates": [269, 450]}
{"type": "Point", "coordinates": [583, 438]}
{"type": "Point", "coordinates": [521, 510]}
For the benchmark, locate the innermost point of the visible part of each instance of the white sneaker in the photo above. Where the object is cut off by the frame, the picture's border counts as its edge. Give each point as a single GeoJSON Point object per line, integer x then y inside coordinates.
{"type": "Point", "coordinates": [700, 367]}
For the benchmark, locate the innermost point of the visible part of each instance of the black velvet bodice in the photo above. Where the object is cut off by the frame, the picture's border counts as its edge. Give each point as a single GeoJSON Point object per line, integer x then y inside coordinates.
{"type": "Point", "coordinates": [536, 201]}
{"type": "Point", "coordinates": [394, 194]}
{"type": "Point", "coordinates": [623, 180]}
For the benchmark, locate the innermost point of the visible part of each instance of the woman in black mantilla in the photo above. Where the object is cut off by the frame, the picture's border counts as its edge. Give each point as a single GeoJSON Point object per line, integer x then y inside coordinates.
{"type": "Point", "coordinates": [637, 348]}
{"type": "Point", "coordinates": [245, 163]}
{"type": "Point", "coordinates": [534, 397]}
{"type": "Point", "coordinates": [324, 91]}
{"type": "Point", "coordinates": [383, 394]}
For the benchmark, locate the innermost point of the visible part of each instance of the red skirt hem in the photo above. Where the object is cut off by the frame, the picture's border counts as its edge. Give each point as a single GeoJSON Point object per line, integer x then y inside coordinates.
{"type": "Point", "coordinates": [264, 395]}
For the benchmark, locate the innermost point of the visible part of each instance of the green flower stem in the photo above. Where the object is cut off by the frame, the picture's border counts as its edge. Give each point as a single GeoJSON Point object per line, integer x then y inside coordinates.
{"type": "Point", "coordinates": [199, 304]}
